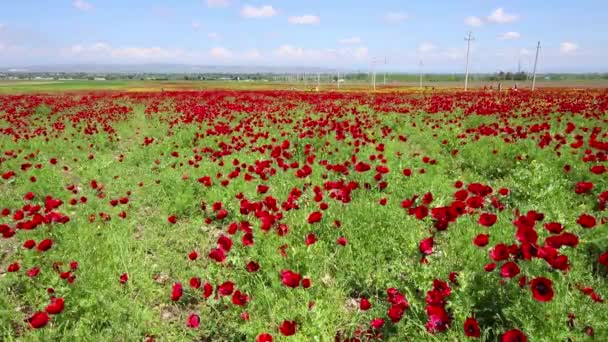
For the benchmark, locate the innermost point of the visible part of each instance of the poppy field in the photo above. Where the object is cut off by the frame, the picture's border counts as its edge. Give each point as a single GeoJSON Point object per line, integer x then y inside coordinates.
{"type": "Point", "coordinates": [225, 215]}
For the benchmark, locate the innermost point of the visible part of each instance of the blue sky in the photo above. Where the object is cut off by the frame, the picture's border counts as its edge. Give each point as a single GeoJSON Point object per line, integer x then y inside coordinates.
{"type": "Point", "coordinates": [328, 33]}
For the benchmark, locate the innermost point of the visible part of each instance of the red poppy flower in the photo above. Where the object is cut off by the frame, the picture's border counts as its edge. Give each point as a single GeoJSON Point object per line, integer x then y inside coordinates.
{"type": "Point", "coordinates": [207, 290]}
{"type": "Point", "coordinates": [377, 323]}
{"type": "Point", "coordinates": [172, 219]}
{"type": "Point", "coordinates": [253, 266]}
{"type": "Point", "coordinates": [426, 246]}
{"type": "Point", "coordinates": [14, 267]}
{"type": "Point", "coordinates": [44, 245]}
{"type": "Point", "coordinates": [364, 304]}
{"type": "Point", "coordinates": [514, 335]}
{"type": "Point", "coordinates": [554, 227]}
{"type": "Point", "coordinates": [395, 313]}
{"type": "Point", "coordinates": [239, 298]}
{"type": "Point", "coordinates": [247, 239]}
{"type": "Point", "coordinates": [342, 241]}
{"type": "Point", "coordinates": [194, 321]}
{"type": "Point", "coordinates": [226, 288]}
{"type": "Point", "coordinates": [123, 278]}
{"type": "Point", "coordinates": [481, 240]}
{"type": "Point", "coordinates": [225, 243]}
{"type": "Point", "coordinates": [311, 238]}
{"type": "Point", "coordinates": [221, 214]}
{"type": "Point", "coordinates": [315, 217]}
{"type": "Point", "coordinates": [264, 337]}
{"type": "Point", "coordinates": [38, 320]}
{"type": "Point", "coordinates": [306, 283]}
{"type": "Point", "coordinates": [29, 244]}
{"type": "Point", "coordinates": [290, 278]}
{"type": "Point", "coordinates": [217, 254]}
{"type": "Point", "coordinates": [603, 259]}
{"type": "Point", "coordinates": [176, 292]}
{"type": "Point", "coordinates": [489, 267]}
{"type": "Point", "coordinates": [56, 306]}
{"type": "Point", "coordinates": [586, 221]}
{"type": "Point", "coordinates": [583, 187]}
{"type": "Point", "coordinates": [288, 328]}
{"type": "Point", "coordinates": [509, 270]}
{"type": "Point", "coordinates": [542, 289]}
{"type": "Point", "coordinates": [195, 282]}
{"type": "Point", "coordinates": [487, 219]}
{"type": "Point", "coordinates": [193, 255]}
{"type": "Point", "coordinates": [438, 319]}
{"type": "Point", "coordinates": [33, 272]}
{"type": "Point", "coordinates": [499, 252]}
{"type": "Point", "coordinates": [471, 327]}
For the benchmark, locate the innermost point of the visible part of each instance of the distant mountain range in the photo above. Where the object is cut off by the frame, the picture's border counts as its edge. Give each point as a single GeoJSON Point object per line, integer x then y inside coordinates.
{"type": "Point", "coordinates": [162, 69]}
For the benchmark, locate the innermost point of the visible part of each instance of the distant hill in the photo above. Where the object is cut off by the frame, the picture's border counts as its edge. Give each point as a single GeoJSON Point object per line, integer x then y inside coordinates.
{"type": "Point", "coordinates": [162, 69]}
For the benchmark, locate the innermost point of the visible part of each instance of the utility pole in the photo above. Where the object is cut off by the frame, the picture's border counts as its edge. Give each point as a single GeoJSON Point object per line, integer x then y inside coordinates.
{"type": "Point", "coordinates": [318, 81]}
{"type": "Point", "coordinates": [338, 80]}
{"type": "Point", "coordinates": [535, 64]}
{"type": "Point", "coordinates": [420, 67]}
{"type": "Point", "coordinates": [385, 62]}
{"type": "Point", "coordinates": [466, 70]}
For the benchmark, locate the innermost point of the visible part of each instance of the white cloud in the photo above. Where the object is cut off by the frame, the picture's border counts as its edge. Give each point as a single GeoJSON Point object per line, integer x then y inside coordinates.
{"type": "Point", "coordinates": [213, 35]}
{"type": "Point", "coordinates": [82, 5]}
{"type": "Point", "coordinates": [426, 47]}
{"type": "Point", "coordinates": [350, 41]}
{"type": "Point", "coordinates": [249, 11]}
{"type": "Point", "coordinates": [473, 21]}
{"type": "Point", "coordinates": [218, 3]}
{"type": "Point", "coordinates": [289, 53]}
{"type": "Point", "coordinates": [568, 48]}
{"type": "Point", "coordinates": [396, 17]}
{"type": "Point", "coordinates": [103, 50]}
{"type": "Point", "coordinates": [499, 16]}
{"type": "Point", "coordinates": [196, 25]}
{"type": "Point", "coordinates": [304, 20]}
{"type": "Point", "coordinates": [220, 53]}
{"type": "Point", "coordinates": [511, 35]}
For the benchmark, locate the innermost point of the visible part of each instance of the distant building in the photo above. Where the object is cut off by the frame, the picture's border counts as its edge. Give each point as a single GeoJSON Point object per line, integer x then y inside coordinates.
{"type": "Point", "coordinates": [99, 79]}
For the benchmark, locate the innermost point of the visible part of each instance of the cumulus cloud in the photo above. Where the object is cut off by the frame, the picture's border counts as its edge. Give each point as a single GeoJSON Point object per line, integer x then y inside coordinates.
{"type": "Point", "coordinates": [396, 17]}
{"type": "Point", "coordinates": [82, 5]}
{"type": "Point", "coordinates": [264, 11]}
{"type": "Point", "coordinates": [473, 21]}
{"type": "Point", "coordinates": [304, 20]}
{"type": "Point", "coordinates": [568, 48]}
{"type": "Point", "coordinates": [499, 16]}
{"type": "Point", "coordinates": [511, 35]}
{"type": "Point", "coordinates": [218, 3]}
{"type": "Point", "coordinates": [350, 41]}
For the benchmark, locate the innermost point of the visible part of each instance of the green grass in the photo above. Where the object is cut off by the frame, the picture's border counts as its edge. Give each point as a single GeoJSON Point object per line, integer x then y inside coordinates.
{"type": "Point", "coordinates": [382, 249]}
